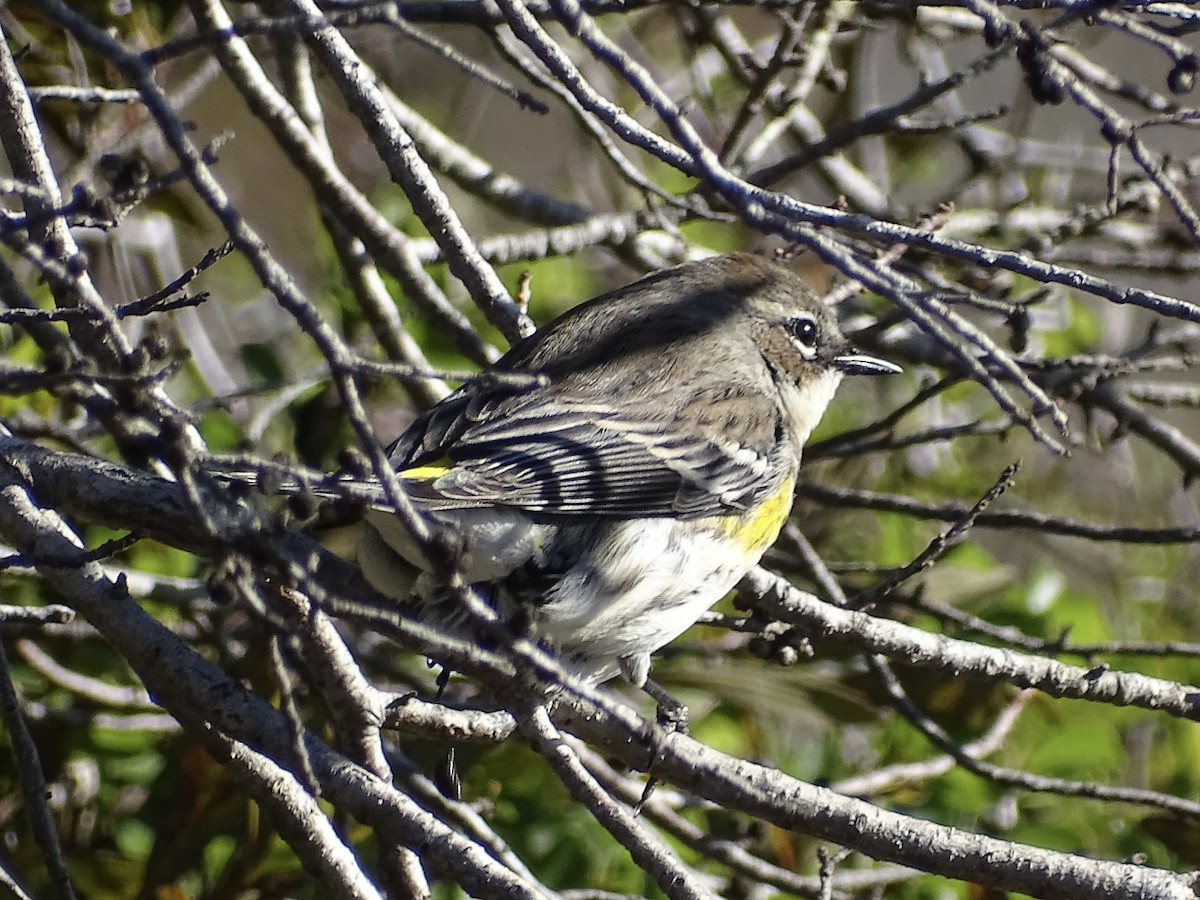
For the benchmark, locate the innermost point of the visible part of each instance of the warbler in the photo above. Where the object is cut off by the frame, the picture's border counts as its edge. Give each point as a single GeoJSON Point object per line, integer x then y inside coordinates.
{"type": "Point", "coordinates": [611, 500]}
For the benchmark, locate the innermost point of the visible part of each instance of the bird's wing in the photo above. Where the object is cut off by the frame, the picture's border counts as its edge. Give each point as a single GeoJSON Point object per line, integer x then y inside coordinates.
{"type": "Point", "coordinates": [573, 456]}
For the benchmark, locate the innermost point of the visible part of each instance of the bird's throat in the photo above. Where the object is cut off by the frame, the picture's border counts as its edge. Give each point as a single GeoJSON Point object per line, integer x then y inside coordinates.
{"type": "Point", "coordinates": [804, 403]}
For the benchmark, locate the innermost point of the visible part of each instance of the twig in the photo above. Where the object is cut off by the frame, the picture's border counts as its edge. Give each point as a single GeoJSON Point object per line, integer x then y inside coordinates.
{"type": "Point", "coordinates": [919, 648]}
{"type": "Point", "coordinates": [939, 545]}
{"type": "Point", "coordinates": [652, 855]}
{"type": "Point", "coordinates": [33, 784]}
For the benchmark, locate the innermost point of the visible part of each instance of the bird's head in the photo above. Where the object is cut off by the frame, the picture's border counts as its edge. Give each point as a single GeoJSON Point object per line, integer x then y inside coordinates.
{"type": "Point", "coordinates": [803, 347]}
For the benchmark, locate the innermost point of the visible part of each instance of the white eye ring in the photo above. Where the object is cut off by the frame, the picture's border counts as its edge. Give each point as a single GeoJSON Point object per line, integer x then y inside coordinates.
{"type": "Point", "coordinates": [803, 332]}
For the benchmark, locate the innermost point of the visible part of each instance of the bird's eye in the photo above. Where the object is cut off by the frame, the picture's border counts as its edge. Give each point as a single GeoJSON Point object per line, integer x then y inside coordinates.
{"type": "Point", "coordinates": [804, 333]}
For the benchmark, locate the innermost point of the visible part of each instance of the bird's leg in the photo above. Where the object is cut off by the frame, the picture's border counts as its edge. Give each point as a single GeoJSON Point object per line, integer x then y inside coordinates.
{"type": "Point", "coordinates": [446, 777]}
{"type": "Point", "coordinates": [671, 713]}
{"type": "Point", "coordinates": [443, 679]}
{"type": "Point", "coordinates": [446, 774]}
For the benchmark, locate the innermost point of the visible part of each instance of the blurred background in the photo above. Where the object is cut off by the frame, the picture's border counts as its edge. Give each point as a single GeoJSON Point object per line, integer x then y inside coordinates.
{"type": "Point", "coordinates": [1066, 139]}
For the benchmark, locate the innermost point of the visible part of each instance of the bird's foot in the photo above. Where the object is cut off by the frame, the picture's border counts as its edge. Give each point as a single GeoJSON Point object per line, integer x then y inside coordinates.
{"type": "Point", "coordinates": [673, 716]}
{"type": "Point", "coordinates": [671, 713]}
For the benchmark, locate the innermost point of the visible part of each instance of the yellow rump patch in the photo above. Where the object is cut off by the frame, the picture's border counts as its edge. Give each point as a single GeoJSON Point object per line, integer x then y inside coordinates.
{"type": "Point", "coordinates": [426, 473]}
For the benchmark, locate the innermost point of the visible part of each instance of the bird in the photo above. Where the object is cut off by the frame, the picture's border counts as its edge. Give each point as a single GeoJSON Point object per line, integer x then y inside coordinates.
{"type": "Point", "coordinates": [639, 469]}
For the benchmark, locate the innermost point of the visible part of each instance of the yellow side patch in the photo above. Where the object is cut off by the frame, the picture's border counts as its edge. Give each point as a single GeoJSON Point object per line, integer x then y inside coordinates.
{"type": "Point", "coordinates": [426, 473]}
{"type": "Point", "coordinates": [757, 529]}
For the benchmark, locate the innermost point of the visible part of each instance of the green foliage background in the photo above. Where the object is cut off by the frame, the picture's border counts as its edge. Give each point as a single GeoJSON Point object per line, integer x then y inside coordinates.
{"type": "Point", "coordinates": [144, 812]}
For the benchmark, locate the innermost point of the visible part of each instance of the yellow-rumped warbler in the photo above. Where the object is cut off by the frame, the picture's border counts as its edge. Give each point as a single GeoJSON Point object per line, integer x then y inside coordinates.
{"type": "Point", "coordinates": [614, 501]}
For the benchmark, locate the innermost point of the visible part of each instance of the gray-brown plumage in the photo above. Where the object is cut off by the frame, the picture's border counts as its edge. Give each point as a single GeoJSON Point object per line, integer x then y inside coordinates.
{"type": "Point", "coordinates": [644, 475]}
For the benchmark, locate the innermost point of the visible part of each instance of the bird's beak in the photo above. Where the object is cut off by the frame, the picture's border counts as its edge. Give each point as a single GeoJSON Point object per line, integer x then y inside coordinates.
{"type": "Point", "coordinates": [854, 363]}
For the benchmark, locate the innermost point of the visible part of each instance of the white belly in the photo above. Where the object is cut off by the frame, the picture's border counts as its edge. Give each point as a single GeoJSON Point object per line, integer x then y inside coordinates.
{"type": "Point", "coordinates": [614, 591]}
{"type": "Point", "coordinates": [643, 585]}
